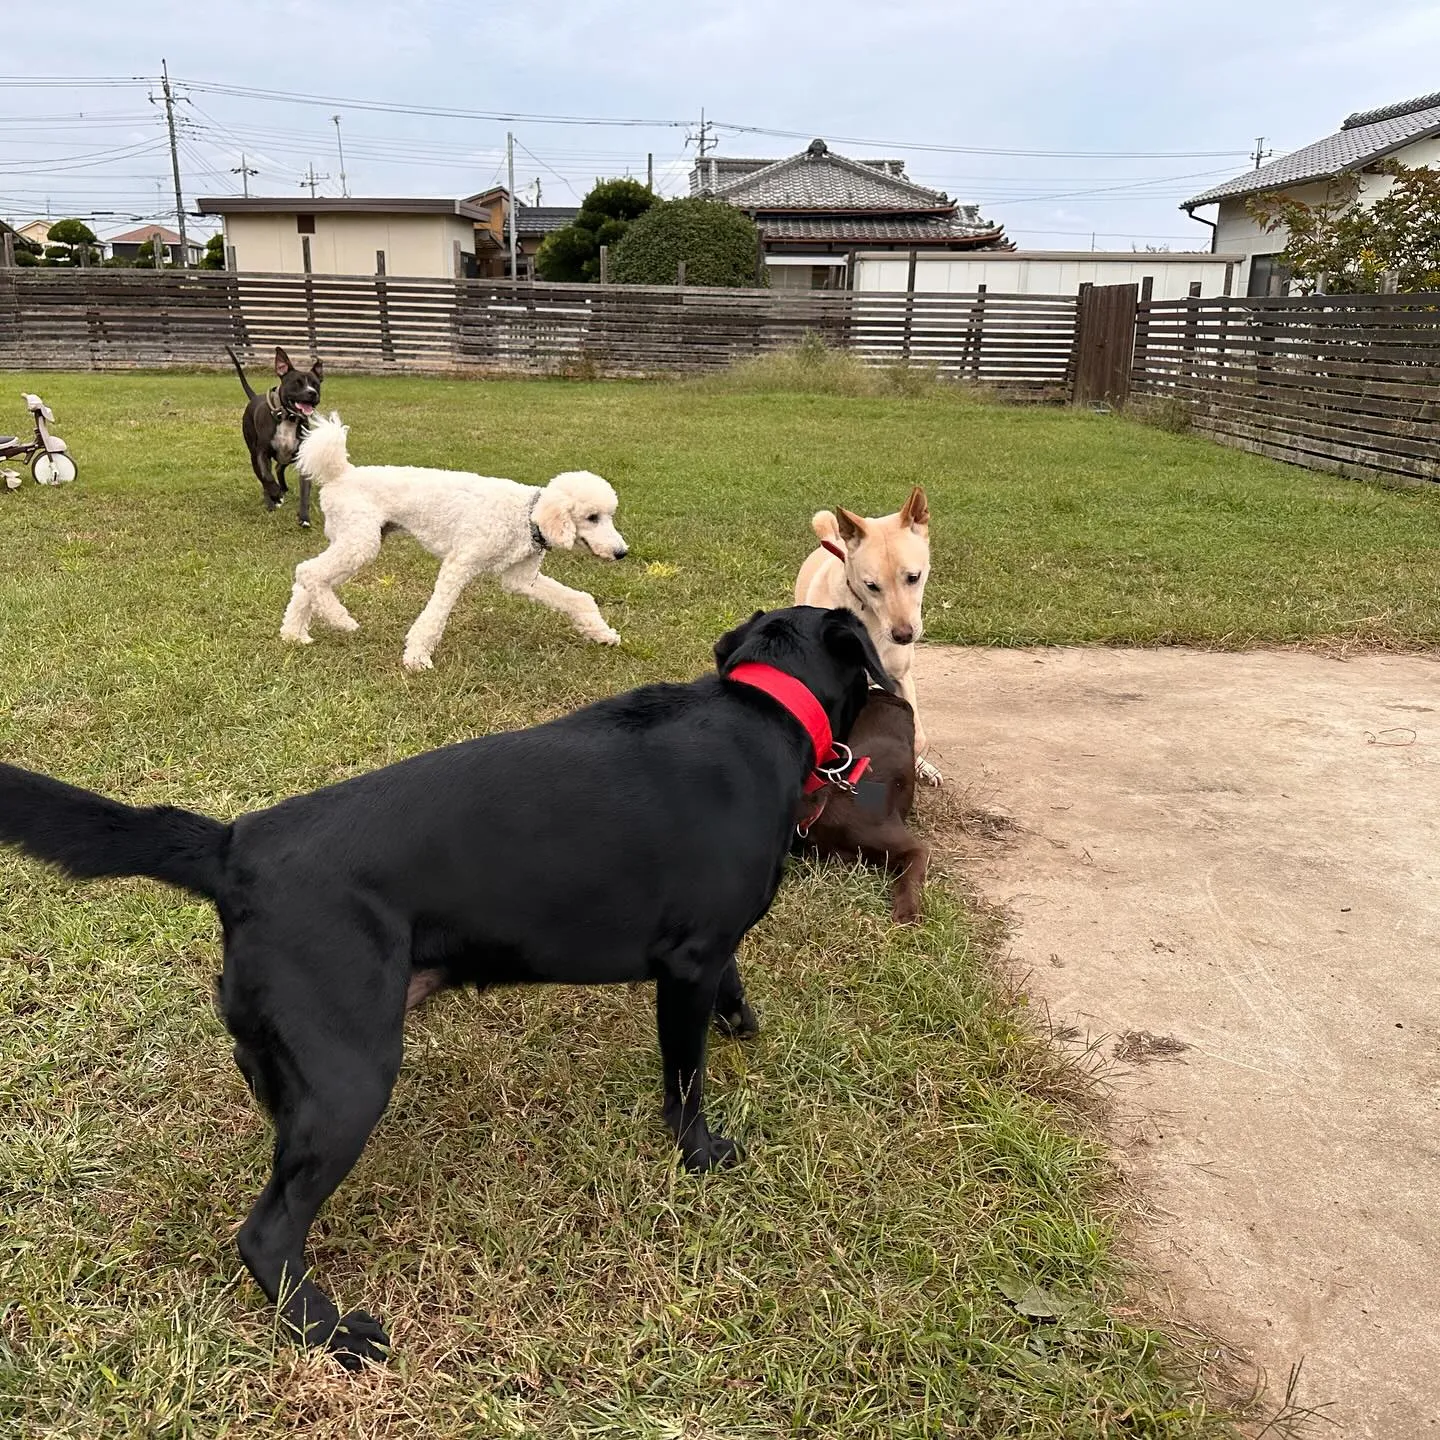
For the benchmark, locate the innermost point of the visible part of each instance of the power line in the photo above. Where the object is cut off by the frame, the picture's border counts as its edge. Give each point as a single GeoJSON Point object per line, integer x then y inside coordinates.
{"type": "Point", "coordinates": [439, 111]}
{"type": "Point", "coordinates": [989, 150]}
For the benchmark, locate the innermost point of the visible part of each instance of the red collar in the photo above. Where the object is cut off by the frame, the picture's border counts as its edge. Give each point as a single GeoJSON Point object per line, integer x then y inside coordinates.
{"type": "Point", "coordinates": [834, 549]}
{"type": "Point", "coordinates": [834, 764]}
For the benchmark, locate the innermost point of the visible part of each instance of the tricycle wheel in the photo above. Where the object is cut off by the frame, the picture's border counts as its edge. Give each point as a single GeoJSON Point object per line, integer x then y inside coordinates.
{"type": "Point", "coordinates": [52, 468]}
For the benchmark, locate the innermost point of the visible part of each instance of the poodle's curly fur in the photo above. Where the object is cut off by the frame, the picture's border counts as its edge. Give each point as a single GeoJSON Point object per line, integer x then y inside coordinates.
{"type": "Point", "coordinates": [472, 524]}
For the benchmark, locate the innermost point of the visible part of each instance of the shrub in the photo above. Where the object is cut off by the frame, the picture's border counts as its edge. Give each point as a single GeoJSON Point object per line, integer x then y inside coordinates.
{"type": "Point", "coordinates": [717, 242]}
{"type": "Point", "coordinates": [573, 254]}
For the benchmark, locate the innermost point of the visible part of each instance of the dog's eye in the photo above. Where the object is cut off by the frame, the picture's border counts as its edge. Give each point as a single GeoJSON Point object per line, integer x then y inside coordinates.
{"type": "Point", "coordinates": [872, 587]}
{"type": "Point", "coordinates": [592, 519]}
{"type": "Point", "coordinates": [912, 579]}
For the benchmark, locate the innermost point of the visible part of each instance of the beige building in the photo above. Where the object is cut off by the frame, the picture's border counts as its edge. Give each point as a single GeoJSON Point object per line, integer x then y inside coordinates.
{"type": "Point", "coordinates": [403, 237]}
{"type": "Point", "coordinates": [1328, 171]}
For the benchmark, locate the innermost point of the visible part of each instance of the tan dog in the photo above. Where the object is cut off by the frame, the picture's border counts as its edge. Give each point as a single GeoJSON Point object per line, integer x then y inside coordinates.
{"type": "Point", "coordinates": [877, 567]}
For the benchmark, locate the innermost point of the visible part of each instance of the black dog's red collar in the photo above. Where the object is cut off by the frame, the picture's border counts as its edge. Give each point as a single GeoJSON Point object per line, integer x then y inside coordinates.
{"type": "Point", "coordinates": [834, 764]}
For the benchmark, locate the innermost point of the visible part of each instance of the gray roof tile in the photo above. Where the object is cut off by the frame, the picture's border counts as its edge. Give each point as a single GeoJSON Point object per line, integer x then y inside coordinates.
{"type": "Point", "coordinates": [819, 179]}
{"type": "Point", "coordinates": [1366, 136]}
{"type": "Point", "coordinates": [543, 219]}
{"type": "Point", "coordinates": [881, 229]}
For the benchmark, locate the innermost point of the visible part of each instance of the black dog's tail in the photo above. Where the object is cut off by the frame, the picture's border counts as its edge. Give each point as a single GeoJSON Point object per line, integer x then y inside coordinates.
{"type": "Point", "coordinates": [240, 372]}
{"type": "Point", "coordinates": [91, 837]}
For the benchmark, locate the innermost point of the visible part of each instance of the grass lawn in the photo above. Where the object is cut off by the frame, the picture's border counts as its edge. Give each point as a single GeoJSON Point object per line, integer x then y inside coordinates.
{"type": "Point", "coordinates": [917, 1179]}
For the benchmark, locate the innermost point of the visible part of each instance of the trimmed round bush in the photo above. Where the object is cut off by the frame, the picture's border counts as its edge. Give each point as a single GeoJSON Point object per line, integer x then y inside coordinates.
{"type": "Point", "coordinates": [717, 242]}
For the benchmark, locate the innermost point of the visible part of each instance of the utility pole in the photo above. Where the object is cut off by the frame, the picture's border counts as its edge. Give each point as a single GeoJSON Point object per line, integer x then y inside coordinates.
{"type": "Point", "coordinates": [340, 146]}
{"type": "Point", "coordinates": [703, 142]}
{"type": "Point", "coordinates": [175, 163]}
{"type": "Point", "coordinates": [1260, 153]}
{"type": "Point", "coordinates": [510, 199]}
{"type": "Point", "coordinates": [650, 172]}
{"type": "Point", "coordinates": [311, 179]}
{"type": "Point", "coordinates": [244, 171]}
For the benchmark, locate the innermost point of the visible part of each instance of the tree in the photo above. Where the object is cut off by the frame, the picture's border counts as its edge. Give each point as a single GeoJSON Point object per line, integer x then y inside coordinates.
{"type": "Point", "coordinates": [1345, 245]}
{"type": "Point", "coordinates": [606, 213]}
{"type": "Point", "coordinates": [66, 241]}
{"type": "Point", "coordinates": [27, 252]}
{"type": "Point", "coordinates": [214, 257]}
{"type": "Point", "coordinates": [717, 242]}
{"type": "Point", "coordinates": [146, 256]}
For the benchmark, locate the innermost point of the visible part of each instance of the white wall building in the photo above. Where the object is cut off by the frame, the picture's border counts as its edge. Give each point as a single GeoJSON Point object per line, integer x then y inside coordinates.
{"type": "Point", "coordinates": [1327, 170]}
{"type": "Point", "coordinates": [404, 237]}
{"type": "Point", "coordinates": [1171, 275]}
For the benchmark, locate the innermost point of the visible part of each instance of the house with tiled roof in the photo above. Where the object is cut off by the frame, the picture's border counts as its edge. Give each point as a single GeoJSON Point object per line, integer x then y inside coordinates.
{"type": "Point", "coordinates": [1331, 169]}
{"type": "Point", "coordinates": [127, 246]}
{"type": "Point", "coordinates": [817, 210]}
{"type": "Point", "coordinates": [532, 224]}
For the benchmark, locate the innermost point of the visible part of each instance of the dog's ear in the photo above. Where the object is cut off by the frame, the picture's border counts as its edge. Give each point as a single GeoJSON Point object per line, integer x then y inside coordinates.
{"type": "Point", "coordinates": [732, 640]}
{"type": "Point", "coordinates": [852, 527]}
{"type": "Point", "coordinates": [282, 363]}
{"type": "Point", "coordinates": [848, 640]}
{"type": "Point", "coordinates": [916, 513]}
{"type": "Point", "coordinates": [317, 369]}
{"type": "Point", "coordinates": [554, 513]}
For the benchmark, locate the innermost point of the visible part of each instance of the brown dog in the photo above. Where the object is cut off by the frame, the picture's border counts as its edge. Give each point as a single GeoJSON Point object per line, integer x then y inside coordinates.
{"type": "Point", "coordinates": [871, 823]}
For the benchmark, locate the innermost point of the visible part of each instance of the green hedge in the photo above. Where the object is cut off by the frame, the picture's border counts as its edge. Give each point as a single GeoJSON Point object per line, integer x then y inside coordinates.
{"type": "Point", "coordinates": [717, 243]}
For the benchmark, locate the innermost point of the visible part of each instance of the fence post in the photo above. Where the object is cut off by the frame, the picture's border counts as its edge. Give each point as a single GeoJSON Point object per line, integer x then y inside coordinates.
{"type": "Point", "coordinates": [382, 300]}
{"type": "Point", "coordinates": [976, 338]}
{"type": "Point", "coordinates": [680, 274]}
{"type": "Point", "coordinates": [909, 304]}
{"type": "Point", "coordinates": [604, 264]}
{"type": "Point", "coordinates": [1139, 363]}
{"type": "Point", "coordinates": [7, 248]}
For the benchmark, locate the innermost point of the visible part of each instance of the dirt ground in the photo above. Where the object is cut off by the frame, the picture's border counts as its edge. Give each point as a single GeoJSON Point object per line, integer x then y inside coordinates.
{"type": "Point", "coordinates": [1227, 866]}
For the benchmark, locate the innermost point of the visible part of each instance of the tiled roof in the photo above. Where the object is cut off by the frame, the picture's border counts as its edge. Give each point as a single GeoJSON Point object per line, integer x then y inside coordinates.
{"type": "Point", "coordinates": [144, 233]}
{"type": "Point", "coordinates": [716, 171]}
{"type": "Point", "coordinates": [884, 230]}
{"type": "Point", "coordinates": [819, 179]}
{"type": "Point", "coordinates": [543, 219]}
{"type": "Point", "coordinates": [1365, 136]}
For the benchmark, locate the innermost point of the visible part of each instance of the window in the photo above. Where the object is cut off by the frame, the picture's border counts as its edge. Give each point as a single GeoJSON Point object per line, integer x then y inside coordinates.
{"type": "Point", "coordinates": [1267, 276]}
{"type": "Point", "coordinates": [304, 224]}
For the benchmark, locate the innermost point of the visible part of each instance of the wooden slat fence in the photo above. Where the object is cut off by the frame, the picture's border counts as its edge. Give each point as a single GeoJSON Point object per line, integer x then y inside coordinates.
{"type": "Point", "coordinates": [117, 319]}
{"type": "Point", "coordinates": [1348, 384]}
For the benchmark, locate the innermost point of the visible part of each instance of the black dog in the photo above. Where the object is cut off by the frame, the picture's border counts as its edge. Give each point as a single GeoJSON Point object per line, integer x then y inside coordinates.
{"type": "Point", "coordinates": [665, 844]}
{"type": "Point", "coordinates": [275, 423]}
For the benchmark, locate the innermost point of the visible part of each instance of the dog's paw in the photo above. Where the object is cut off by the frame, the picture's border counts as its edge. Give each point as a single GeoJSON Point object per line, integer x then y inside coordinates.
{"type": "Point", "coordinates": [604, 636]}
{"type": "Point", "coordinates": [304, 524]}
{"type": "Point", "coordinates": [346, 624]}
{"type": "Point", "coordinates": [738, 1022]}
{"type": "Point", "coordinates": [417, 663]}
{"type": "Point", "coordinates": [301, 637]}
{"type": "Point", "coordinates": [927, 773]}
{"type": "Point", "coordinates": [713, 1153]}
{"type": "Point", "coordinates": [358, 1340]}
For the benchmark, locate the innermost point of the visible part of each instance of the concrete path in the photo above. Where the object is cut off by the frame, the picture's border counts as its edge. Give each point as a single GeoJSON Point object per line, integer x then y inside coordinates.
{"type": "Point", "coordinates": [1241, 854]}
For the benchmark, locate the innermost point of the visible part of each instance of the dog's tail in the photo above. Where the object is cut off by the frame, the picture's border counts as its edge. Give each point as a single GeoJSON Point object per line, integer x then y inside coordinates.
{"type": "Point", "coordinates": [322, 454]}
{"type": "Point", "coordinates": [239, 370]}
{"type": "Point", "coordinates": [90, 837]}
{"type": "Point", "coordinates": [826, 526]}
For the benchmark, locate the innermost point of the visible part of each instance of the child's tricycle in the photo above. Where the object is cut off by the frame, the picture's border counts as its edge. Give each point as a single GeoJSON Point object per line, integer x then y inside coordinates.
{"type": "Point", "coordinates": [50, 462]}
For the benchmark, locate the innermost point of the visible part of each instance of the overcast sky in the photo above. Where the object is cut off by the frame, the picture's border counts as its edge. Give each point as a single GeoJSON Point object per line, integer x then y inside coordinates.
{"type": "Point", "coordinates": [1134, 99]}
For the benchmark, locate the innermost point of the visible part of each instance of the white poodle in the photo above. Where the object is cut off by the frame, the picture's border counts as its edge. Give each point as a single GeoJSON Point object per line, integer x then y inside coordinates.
{"type": "Point", "coordinates": [472, 523]}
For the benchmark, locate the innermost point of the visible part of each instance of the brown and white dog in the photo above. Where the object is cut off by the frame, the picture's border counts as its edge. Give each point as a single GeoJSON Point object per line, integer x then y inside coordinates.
{"type": "Point", "coordinates": [877, 566]}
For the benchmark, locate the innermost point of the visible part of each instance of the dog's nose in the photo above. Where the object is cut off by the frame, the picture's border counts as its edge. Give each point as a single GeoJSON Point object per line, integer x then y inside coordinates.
{"type": "Point", "coordinates": [902, 634]}
{"type": "Point", "coordinates": [622, 552]}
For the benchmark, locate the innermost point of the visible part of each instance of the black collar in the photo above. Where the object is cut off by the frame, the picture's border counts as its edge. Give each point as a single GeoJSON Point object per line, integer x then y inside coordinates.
{"type": "Point", "coordinates": [537, 535]}
{"type": "Point", "coordinates": [282, 411]}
